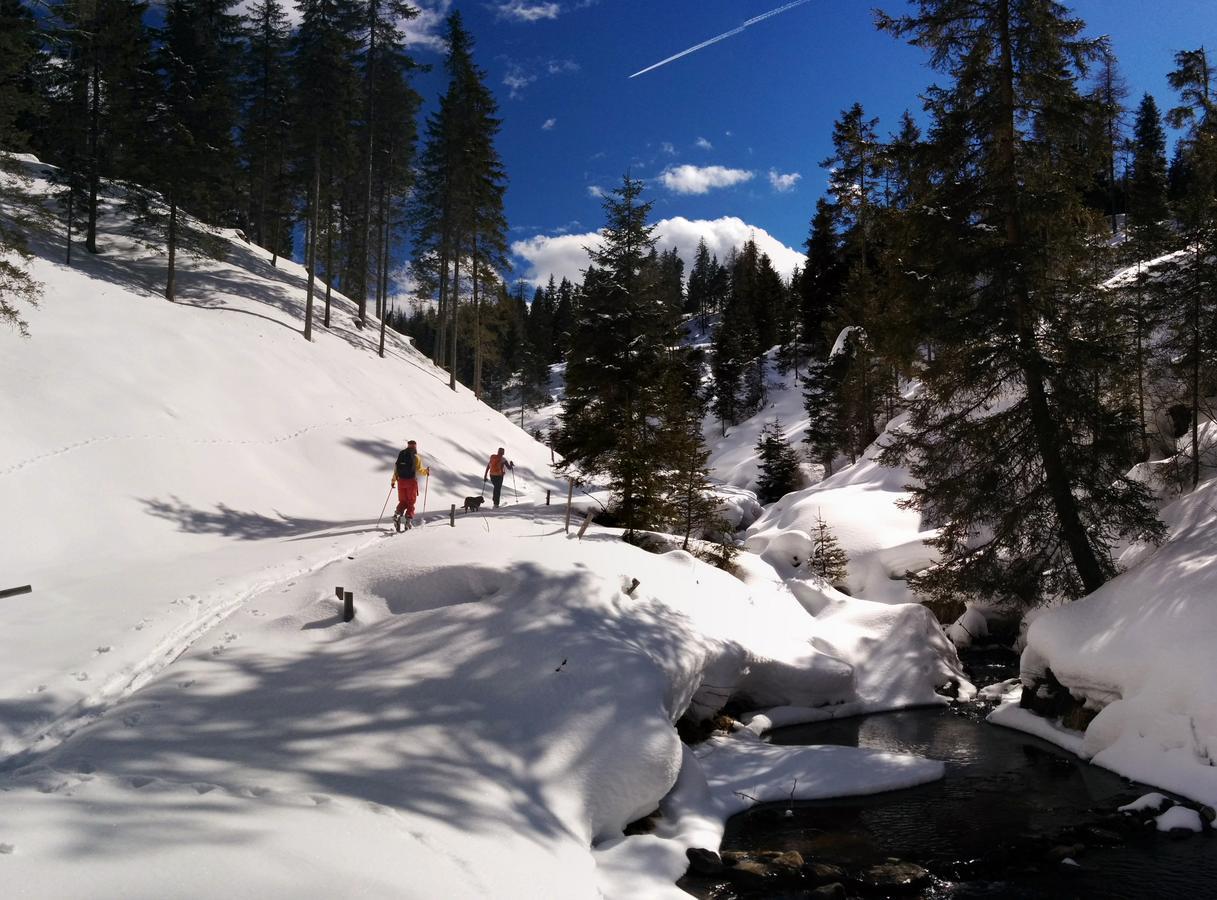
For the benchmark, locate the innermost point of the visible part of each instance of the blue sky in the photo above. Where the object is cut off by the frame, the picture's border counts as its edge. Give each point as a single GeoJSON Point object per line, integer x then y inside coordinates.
{"type": "Point", "coordinates": [729, 138]}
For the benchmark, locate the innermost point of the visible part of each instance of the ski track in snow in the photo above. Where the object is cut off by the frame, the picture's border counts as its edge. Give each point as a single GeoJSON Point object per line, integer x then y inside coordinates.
{"type": "Point", "coordinates": [80, 445]}
{"type": "Point", "coordinates": [131, 679]}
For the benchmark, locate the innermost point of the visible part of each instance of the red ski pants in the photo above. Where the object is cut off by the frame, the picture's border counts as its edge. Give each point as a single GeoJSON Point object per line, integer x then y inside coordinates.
{"type": "Point", "coordinates": [407, 493]}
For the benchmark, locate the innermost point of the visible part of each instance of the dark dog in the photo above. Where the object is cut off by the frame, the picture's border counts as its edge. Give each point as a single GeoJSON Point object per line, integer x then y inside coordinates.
{"type": "Point", "coordinates": [472, 503]}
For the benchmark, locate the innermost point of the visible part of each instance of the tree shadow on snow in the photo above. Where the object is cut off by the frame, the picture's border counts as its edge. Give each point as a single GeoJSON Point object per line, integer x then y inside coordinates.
{"type": "Point", "coordinates": [248, 526]}
{"type": "Point", "coordinates": [416, 712]}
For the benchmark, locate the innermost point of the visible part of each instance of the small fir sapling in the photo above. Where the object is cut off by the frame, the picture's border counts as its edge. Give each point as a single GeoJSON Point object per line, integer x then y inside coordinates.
{"type": "Point", "coordinates": [828, 560]}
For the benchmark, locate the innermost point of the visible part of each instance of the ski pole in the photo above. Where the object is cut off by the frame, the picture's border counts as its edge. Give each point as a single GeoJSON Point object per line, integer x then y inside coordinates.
{"type": "Point", "coordinates": [513, 484]}
{"type": "Point", "coordinates": [426, 487]}
{"type": "Point", "coordinates": [386, 506]}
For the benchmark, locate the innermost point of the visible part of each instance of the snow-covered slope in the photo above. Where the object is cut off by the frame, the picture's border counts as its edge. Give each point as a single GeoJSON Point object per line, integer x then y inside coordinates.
{"type": "Point", "coordinates": [160, 461]}
{"type": "Point", "coordinates": [860, 505]}
{"type": "Point", "coordinates": [1142, 647]}
{"type": "Point", "coordinates": [184, 713]}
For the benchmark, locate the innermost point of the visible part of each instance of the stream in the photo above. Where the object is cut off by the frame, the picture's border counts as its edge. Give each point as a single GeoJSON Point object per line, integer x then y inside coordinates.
{"type": "Point", "coordinates": [994, 826]}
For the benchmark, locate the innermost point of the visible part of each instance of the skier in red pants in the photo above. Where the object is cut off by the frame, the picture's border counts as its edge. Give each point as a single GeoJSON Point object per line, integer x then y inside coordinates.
{"type": "Point", "coordinates": [405, 475]}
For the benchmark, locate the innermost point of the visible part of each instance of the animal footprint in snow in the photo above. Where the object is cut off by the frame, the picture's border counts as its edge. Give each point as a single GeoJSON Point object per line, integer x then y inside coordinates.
{"type": "Point", "coordinates": [185, 684]}
{"type": "Point", "coordinates": [7, 849]}
{"type": "Point", "coordinates": [132, 719]}
{"type": "Point", "coordinates": [103, 649]}
{"type": "Point", "coordinates": [80, 676]}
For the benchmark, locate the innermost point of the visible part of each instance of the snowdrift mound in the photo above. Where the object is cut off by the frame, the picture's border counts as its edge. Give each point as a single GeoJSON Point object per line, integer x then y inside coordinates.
{"type": "Point", "coordinates": [499, 705]}
{"type": "Point", "coordinates": [1141, 647]}
{"type": "Point", "coordinates": [161, 461]}
{"type": "Point", "coordinates": [859, 504]}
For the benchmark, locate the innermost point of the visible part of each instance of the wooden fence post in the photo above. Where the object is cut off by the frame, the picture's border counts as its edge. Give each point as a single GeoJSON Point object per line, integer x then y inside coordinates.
{"type": "Point", "coordinates": [13, 592]}
{"type": "Point", "coordinates": [452, 516]}
{"type": "Point", "coordinates": [587, 520]}
{"type": "Point", "coordinates": [348, 606]}
{"type": "Point", "coordinates": [570, 496]}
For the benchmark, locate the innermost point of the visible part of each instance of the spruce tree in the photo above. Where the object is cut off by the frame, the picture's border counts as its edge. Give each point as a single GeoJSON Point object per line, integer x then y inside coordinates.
{"type": "Point", "coordinates": [1193, 317]}
{"type": "Point", "coordinates": [1010, 444]}
{"type": "Point", "coordinates": [828, 560]}
{"type": "Point", "coordinates": [613, 403]}
{"type": "Point", "coordinates": [1148, 231]}
{"type": "Point", "coordinates": [1107, 123]}
{"type": "Point", "coordinates": [265, 92]}
{"type": "Point", "coordinates": [692, 508]}
{"type": "Point", "coordinates": [325, 93]}
{"type": "Point", "coordinates": [19, 53]}
{"type": "Point", "coordinates": [778, 464]}
{"type": "Point", "coordinates": [820, 286]}
{"type": "Point", "coordinates": [98, 95]}
{"type": "Point", "coordinates": [821, 399]}
{"type": "Point", "coordinates": [457, 209]}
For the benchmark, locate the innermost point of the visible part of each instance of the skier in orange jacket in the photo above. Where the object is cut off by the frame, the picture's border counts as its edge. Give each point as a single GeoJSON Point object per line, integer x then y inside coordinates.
{"type": "Point", "coordinates": [496, 469]}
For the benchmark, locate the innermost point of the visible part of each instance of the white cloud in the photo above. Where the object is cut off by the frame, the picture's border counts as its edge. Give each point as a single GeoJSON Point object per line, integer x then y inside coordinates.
{"type": "Point", "coordinates": [522, 11]}
{"type": "Point", "coordinates": [516, 79]}
{"type": "Point", "coordinates": [594, 190]}
{"type": "Point", "coordinates": [521, 73]}
{"type": "Point", "coordinates": [548, 124]}
{"type": "Point", "coordinates": [688, 179]}
{"type": "Point", "coordinates": [668, 148]}
{"type": "Point", "coordinates": [703, 144]}
{"type": "Point", "coordinates": [565, 256]}
{"type": "Point", "coordinates": [783, 182]}
{"type": "Point", "coordinates": [425, 29]}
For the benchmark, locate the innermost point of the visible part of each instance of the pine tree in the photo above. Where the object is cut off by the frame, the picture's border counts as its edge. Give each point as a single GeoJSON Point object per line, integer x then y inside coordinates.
{"type": "Point", "coordinates": [828, 560]}
{"type": "Point", "coordinates": [97, 101]}
{"type": "Point", "coordinates": [19, 52]}
{"type": "Point", "coordinates": [200, 53]}
{"type": "Point", "coordinates": [615, 366]}
{"type": "Point", "coordinates": [1193, 320]}
{"type": "Point", "coordinates": [265, 91]}
{"type": "Point", "coordinates": [326, 89]}
{"type": "Point", "coordinates": [692, 508]}
{"type": "Point", "coordinates": [1148, 230]}
{"type": "Point", "coordinates": [1107, 123]}
{"type": "Point", "coordinates": [457, 211]}
{"type": "Point", "coordinates": [1031, 494]}
{"type": "Point", "coordinates": [820, 286]}
{"type": "Point", "coordinates": [821, 392]}
{"type": "Point", "coordinates": [778, 464]}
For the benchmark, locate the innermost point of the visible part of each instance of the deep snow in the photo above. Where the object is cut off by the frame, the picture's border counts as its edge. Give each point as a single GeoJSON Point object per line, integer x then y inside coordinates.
{"type": "Point", "coordinates": [185, 714]}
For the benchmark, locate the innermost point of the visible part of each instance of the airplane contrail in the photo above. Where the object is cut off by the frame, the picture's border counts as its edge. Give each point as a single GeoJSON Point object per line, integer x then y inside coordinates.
{"type": "Point", "coordinates": [721, 37]}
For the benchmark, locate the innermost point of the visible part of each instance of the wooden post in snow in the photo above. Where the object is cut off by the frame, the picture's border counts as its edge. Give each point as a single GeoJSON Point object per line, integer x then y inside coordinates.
{"type": "Point", "coordinates": [570, 496]}
{"type": "Point", "coordinates": [348, 606]}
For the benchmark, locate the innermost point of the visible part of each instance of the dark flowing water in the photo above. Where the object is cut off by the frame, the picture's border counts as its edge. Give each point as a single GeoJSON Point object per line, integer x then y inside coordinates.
{"type": "Point", "coordinates": [986, 828]}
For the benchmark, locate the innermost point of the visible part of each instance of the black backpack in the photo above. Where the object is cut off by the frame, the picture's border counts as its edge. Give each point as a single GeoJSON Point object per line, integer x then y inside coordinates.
{"type": "Point", "coordinates": [407, 464]}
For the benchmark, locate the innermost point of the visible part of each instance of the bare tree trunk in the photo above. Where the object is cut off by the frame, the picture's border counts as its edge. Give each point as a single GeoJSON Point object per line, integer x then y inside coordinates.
{"type": "Point", "coordinates": [369, 121]}
{"type": "Point", "coordinates": [329, 243]}
{"type": "Point", "coordinates": [477, 326]}
{"type": "Point", "coordinates": [68, 243]}
{"type": "Point", "coordinates": [455, 303]}
{"type": "Point", "coordinates": [94, 127]}
{"type": "Point", "coordinates": [314, 205]}
{"type": "Point", "coordinates": [171, 278]}
{"type": "Point", "coordinates": [1196, 370]}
